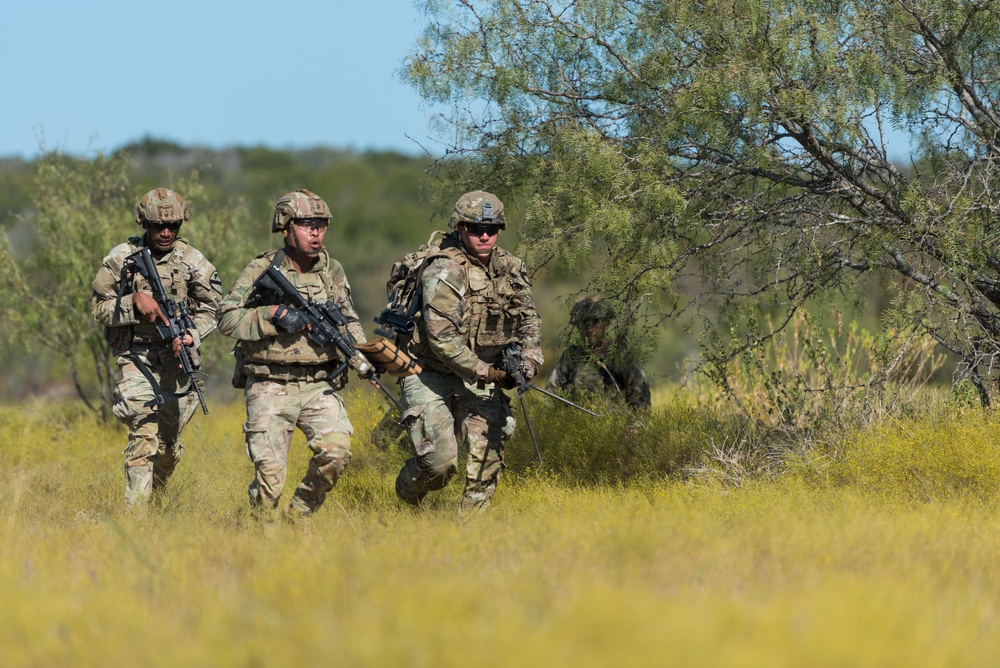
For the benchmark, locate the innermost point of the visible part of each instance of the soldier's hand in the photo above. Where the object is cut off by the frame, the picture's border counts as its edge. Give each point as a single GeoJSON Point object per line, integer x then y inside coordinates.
{"type": "Point", "coordinates": [146, 308]}
{"type": "Point", "coordinates": [500, 377]}
{"type": "Point", "coordinates": [188, 341]}
{"type": "Point", "coordinates": [289, 320]}
{"type": "Point", "coordinates": [529, 368]}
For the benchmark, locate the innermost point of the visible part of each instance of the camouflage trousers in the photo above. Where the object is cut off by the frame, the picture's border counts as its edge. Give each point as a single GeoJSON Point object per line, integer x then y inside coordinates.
{"type": "Point", "coordinates": [439, 410]}
{"type": "Point", "coordinates": [274, 409]}
{"type": "Point", "coordinates": [154, 431]}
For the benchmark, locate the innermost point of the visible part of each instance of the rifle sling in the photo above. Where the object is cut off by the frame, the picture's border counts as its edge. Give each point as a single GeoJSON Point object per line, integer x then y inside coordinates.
{"type": "Point", "coordinates": [158, 396]}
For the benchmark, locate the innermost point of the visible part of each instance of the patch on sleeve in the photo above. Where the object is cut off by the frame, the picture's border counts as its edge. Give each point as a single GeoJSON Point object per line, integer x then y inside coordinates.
{"type": "Point", "coordinates": [453, 279]}
{"type": "Point", "coordinates": [444, 298]}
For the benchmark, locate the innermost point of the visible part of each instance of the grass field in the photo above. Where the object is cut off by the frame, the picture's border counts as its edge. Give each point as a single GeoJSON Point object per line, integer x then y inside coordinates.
{"type": "Point", "coordinates": [878, 548]}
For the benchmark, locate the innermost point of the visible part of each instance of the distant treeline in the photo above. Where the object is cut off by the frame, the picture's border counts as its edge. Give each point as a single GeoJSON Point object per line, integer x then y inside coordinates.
{"type": "Point", "coordinates": [384, 204]}
{"type": "Point", "coordinates": [379, 200]}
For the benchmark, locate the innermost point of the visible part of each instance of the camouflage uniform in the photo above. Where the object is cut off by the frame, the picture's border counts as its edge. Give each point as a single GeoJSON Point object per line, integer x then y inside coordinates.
{"type": "Point", "coordinates": [470, 312]}
{"type": "Point", "coordinates": [584, 369]}
{"type": "Point", "coordinates": [154, 446]}
{"type": "Point", "coordinates": [580, 371]}
{"type": "Point", "coordinates": [290, 381]}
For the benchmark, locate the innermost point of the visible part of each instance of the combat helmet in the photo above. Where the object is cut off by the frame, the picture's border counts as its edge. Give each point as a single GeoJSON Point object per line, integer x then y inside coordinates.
{"type": "Point", "coordinates": [297, 205]}
{"type": "Point", "coordinates": [478, 206]}
{"type": "Point", "coordinates": [590, 309]}
{"type": "Point", "coordinates": [161, 205]}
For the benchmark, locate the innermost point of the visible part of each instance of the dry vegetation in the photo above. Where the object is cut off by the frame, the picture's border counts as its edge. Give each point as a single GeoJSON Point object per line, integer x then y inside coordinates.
{"type": "Point", "coordinates": [875, 547]}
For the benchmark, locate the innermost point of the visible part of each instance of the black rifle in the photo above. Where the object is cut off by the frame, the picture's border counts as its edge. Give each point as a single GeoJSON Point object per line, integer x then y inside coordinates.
{"type": "Point", "coordinates": [178, 318]}
{"type": "Point", "coordinates": [510, 362]}
{"type": "Point", "coordinates": [324, 320]}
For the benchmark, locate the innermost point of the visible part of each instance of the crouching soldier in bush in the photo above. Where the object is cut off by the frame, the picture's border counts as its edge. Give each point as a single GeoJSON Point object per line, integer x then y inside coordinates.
{"type": "Point", "coordinates": [289, 380]}
{"type": "Point", "coordinates": [475, 299]}
{"type": "Point", "coordinates": [587, 367]}
{"type": "Point", "coordinates": [155, 396]}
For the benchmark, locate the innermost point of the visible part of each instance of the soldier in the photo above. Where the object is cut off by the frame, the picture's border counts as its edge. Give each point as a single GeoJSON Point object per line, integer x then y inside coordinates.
{"type": "Point", "coordinates": [584, 367]}
{"type": "Point", "coordinates": [290, 381]}
{"type": "Point", "coordinates": [148, 364]}
{"type": "Point", "coordinates": [475, 300]}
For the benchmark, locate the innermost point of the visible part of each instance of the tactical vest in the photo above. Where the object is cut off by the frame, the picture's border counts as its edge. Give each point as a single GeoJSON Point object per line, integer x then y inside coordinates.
{"type": "Point", "coordinates": [267, 357]}
{"type": "Point", "coordinates": [494, 307]}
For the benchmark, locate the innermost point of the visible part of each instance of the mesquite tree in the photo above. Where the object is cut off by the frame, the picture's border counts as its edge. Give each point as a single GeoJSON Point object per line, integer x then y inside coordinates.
{"type": "Point", "coordinates": [730, 157]}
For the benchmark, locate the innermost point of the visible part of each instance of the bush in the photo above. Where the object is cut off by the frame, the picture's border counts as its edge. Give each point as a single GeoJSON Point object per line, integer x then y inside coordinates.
{"type": "Point", "coordinates": [939, 456]}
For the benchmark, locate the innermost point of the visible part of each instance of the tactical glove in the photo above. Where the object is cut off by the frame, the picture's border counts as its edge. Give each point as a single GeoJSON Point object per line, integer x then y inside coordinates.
{"type": "Point", "coordinates": [500, 377]}
{"type": "Point", "coordinates": [289, 320]}
{"type": "Point", "coordinates": [529, 368]}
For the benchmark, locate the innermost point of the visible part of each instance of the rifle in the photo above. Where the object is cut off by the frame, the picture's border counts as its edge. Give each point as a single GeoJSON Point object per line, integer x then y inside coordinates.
{"type": "Point", "coordinates": [324, 320]}
{"type": "Point", "coordinates": [510, 362]}
{"type": "Point", "coordinates": [178, 318]}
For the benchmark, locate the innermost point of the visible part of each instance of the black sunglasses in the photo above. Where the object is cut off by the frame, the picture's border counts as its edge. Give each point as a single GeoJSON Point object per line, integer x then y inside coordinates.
{"type": "Point", "coordinates": [479, 229]}
{"type": "Point", "coordinates": [159, 227]}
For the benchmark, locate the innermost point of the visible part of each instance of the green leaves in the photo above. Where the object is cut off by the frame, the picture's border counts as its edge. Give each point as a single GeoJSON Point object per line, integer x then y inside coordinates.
{"type": "Point", "coordinates": [746, 143]}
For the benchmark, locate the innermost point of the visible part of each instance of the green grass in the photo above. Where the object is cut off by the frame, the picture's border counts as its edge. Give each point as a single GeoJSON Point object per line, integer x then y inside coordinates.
{"type": "Point", "coordinates": [880, 547]}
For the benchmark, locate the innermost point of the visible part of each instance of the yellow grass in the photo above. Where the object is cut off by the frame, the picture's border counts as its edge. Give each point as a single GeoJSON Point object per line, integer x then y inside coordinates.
{"type": "Point", "coordinates": [882, 548]}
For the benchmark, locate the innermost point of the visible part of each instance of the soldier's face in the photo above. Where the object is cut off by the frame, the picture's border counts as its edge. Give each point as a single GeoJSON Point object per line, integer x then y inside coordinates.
{"type": "Point", "coordinates": [162, 235]}
{"type": "Point", "coordinates": [306, 236]}
{"type": "Point", "coordinates": [479, 239]}
{"type": "Point", "coordinates": [594, 332]}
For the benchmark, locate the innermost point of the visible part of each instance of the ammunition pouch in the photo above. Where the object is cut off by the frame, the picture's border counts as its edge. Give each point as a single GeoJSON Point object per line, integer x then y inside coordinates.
{"type": "Point", "coordinates": [240, 370]}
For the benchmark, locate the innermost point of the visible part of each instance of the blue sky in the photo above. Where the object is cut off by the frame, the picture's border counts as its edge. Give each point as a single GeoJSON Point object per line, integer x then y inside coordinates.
{"type": "Point", "coordinates": [87, 77]}
{"type": "Point", "coordinates": [84, 77]}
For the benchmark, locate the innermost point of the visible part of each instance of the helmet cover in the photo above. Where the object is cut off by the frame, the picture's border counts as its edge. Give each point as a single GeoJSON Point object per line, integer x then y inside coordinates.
{"type": "Point", "coordinates": [161, 205]}
{"type": "Point", "coordinates": [298, 205]}
{"type": "Point", "coordinates": [478, 206]}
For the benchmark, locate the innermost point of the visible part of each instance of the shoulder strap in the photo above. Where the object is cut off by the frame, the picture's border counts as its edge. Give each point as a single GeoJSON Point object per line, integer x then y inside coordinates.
{"type": "Point", "coordinates": [279, 255]}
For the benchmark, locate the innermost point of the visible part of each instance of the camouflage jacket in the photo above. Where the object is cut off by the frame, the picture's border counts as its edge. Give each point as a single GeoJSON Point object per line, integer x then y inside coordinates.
{"type": "Point", "coordinates": [581, 371]}
{"type": "Point", "coordinates": [268, 352]}
{"type": "Point", "coordinates": [186, 275]}
{"type": "Point", "coordinates": [471, 312]}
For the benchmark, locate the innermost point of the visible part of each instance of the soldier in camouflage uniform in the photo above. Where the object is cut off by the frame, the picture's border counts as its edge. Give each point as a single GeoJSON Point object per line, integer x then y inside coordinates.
{"type": "Point", "coordinates": [289, 380]}
{"type": "Point", "coordinates": [474, 302]}
{"type": "Point", "coordinates": [128, 313]}
{"type": "Point", "coordinates": [585, 368]}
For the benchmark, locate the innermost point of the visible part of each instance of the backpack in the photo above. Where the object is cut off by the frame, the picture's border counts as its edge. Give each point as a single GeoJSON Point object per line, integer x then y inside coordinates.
{"type": "Point", "coordinates": [397, 320]}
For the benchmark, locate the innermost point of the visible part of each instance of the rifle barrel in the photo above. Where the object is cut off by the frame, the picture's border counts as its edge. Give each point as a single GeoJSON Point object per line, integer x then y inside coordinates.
{"type": "Point", "coordinates": [532, 386]}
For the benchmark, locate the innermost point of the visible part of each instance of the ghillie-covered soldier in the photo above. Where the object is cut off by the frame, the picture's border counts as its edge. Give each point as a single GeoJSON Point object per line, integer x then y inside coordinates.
{"type": "Point", "coordinates": [155, 397]}
{"type": "Point", "coordinates": [586, 366]}
{"type": "Point", "coordinates": [474, 300]}
{"type": "Point", "coordinates": [289, 380]}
